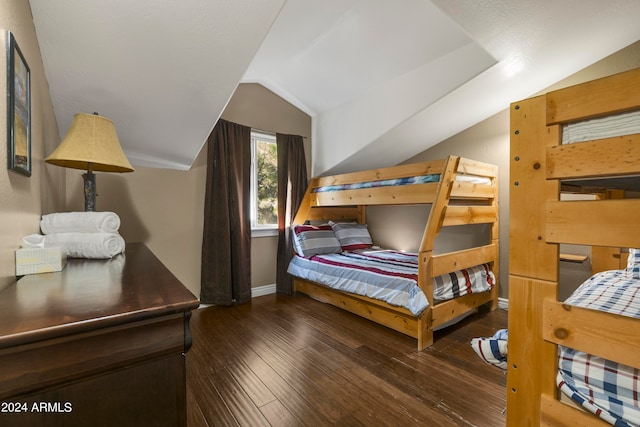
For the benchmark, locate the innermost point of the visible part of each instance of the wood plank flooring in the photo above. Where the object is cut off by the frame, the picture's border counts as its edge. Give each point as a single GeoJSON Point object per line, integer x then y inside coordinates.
{"type": "Point", "coordinates": [294, 361]}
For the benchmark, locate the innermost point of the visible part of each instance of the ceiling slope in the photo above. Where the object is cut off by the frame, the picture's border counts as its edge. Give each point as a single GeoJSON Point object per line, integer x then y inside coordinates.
{"type": "Point", "coordinates": [382, 79]}
{"type": "Point", "coordinates": [162, 71]}
{"type": "Point", "coordinates": [536, 44]}
{"type": "Point", "coordinates": [386, 80]}
{"type": "Point", "coordinates": [363, 67]}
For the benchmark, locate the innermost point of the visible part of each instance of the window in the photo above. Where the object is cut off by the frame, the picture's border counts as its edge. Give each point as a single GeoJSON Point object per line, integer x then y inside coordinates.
{"type": "Point", "coordinates": [264, 184]}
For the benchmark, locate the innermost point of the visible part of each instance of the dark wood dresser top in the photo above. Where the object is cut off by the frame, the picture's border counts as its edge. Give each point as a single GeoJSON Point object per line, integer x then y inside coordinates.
{"type": "Point", "coordinates": [89, 295]}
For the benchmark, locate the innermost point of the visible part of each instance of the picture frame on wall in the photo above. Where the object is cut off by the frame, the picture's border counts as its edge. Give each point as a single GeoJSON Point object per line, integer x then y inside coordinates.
{"type": "Point", "coordinates": [18, 109]}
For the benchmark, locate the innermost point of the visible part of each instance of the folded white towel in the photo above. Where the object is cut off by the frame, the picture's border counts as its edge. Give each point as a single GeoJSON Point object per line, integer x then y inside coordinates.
{"type": "Point", "coordinates": [80, 222]}
{"type": "Point", "coordinates": [79, 245]}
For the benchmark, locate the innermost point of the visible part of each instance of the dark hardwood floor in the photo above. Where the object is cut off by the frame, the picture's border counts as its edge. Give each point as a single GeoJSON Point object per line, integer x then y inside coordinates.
{"type": "Point", "coordinates": [289, 361]}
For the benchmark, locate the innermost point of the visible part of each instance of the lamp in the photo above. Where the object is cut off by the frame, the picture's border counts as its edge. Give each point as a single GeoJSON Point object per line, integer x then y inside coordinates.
{"type": "Point", "coordinates": [91, 144]}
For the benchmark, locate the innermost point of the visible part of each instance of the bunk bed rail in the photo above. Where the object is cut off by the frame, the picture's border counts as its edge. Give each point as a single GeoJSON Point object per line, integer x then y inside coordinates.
{"type": "Point", "coordinates": [612, 337]}
{"type": "Point", "coordinates": [452, 261]}
{"type": "Point", "coordinates": [380, 186]}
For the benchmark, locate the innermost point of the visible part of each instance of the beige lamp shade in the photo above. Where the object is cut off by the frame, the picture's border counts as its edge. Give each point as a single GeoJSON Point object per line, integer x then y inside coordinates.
{"type": "Point", "coordinates": [91, 144]}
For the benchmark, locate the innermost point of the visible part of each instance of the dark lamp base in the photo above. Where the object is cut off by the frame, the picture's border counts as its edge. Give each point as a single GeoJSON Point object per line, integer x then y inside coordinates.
{"type": "Point", "coordinates": [89, 192]}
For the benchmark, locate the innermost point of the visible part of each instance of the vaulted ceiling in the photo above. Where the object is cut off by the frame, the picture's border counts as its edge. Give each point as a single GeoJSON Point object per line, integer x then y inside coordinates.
{"type": "Point", "coordinates": [382, 79]}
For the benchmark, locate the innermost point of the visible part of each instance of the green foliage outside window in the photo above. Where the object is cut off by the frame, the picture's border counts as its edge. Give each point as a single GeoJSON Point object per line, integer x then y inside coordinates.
{"type": "Point", "coordinates": [267, 183]}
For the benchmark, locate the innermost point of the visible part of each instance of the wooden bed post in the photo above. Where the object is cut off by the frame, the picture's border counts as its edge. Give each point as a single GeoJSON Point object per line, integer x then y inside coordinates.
{"type": "Point", "coordinates": [495, 240]}
{"type": "Point", "coordinates": [533, 263]}
{"type": "Point", "coordinates": [305, 206]}
{"type": "Point", "coordinates": [433, 227]}
{"type": "Point", "coordinates": [607, 258]}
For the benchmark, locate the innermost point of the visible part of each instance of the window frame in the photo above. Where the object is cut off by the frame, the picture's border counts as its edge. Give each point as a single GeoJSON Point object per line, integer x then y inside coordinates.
{"type": "Point", "coordinates": [258, 230]}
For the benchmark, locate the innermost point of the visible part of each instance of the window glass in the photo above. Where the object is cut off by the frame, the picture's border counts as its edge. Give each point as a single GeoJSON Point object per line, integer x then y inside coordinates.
{"type": "Point", "coordinates": [265, 181]}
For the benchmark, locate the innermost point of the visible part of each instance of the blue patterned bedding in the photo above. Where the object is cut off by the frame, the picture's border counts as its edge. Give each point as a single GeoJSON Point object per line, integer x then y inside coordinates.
{"type": "Point", "coordinates": [388, 275]}
{"type": "Point", "coordinates": [423, 179]}
{"type": "Point", "coordinates": [607, 389]}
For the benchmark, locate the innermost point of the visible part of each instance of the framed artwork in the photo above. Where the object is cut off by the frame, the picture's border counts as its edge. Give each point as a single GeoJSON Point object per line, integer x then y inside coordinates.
{"type": "Point", "coordinates": [18, 109]}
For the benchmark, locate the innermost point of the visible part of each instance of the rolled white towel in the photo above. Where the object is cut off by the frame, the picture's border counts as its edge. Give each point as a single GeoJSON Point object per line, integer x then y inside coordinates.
{"type": "Point", "coordinates": [80, 222]}
{"type": "Point", "coordinates": [79, 245]}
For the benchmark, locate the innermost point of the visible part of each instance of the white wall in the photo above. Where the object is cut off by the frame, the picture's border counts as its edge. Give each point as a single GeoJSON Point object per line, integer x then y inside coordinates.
{"type": "Point", "coordinates": [488, 141]}
{"type": "Point", "coordinates": [164, 208]}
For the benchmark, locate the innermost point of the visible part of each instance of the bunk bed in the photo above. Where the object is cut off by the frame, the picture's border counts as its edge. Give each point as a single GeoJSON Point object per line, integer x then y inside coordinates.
{"type": "Point", "coordinates": [460, 191]}
{"type": "Point", "coordinates": [543, 164]}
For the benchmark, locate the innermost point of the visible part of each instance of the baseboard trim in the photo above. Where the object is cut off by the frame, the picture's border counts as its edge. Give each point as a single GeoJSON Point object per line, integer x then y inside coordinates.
{"type": "Point", "coordinates": [263, 290]}
{"type": "Point", "coordinates": [503, 303]}
{"type": "Point", "coordinates": [255, 292]}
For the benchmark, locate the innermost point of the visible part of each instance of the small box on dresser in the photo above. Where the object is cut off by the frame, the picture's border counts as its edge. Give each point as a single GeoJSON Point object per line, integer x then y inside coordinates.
{"type": "Point", "coordinates": [39, 260]}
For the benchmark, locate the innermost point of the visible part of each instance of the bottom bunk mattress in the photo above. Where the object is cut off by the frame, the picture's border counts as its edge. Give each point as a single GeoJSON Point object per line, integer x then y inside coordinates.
{"type": "Point", "coordinates": [605, 388]}
{"type": "Point", "coordinates": [389, 276]}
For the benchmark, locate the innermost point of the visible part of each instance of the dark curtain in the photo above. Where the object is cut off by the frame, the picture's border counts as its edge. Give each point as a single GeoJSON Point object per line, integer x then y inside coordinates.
{"type": "Point", "coordinates": [292, 184]}
{"type": "Point", "coordinates": [226, 240]}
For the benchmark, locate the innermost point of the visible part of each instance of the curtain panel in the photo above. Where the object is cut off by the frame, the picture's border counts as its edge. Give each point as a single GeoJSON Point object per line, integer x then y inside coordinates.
{"type": "Point", "coordinates": [292, 185]}
{"type": "Point", "coordinates": [226, 240]}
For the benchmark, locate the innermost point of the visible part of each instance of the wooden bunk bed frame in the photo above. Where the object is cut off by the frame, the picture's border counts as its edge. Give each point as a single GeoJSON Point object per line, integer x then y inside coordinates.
{"type": "Point", "coordinates": [453, 203]}
{"type": "Point", "coordinates": [539, 222]}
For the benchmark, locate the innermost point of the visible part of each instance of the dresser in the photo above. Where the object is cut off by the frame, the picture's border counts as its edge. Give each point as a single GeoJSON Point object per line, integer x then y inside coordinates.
{"type": "Point", "coordinates": [101, 343]}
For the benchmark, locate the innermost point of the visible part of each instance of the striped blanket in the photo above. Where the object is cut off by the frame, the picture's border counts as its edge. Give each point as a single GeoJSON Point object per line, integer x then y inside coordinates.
{"type": "Point", "coordinates": [602, 127]}
{"type": "Point", "coordinates": [388, 275]}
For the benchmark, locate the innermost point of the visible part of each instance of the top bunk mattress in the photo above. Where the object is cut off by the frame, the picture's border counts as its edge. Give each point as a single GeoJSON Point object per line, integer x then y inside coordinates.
{"type": "Point", "coordinates": [421, 179]}
{"type": "Point", "coordinates": [389, 276]}
{"type": "Point", "coordinates": [602, 127]}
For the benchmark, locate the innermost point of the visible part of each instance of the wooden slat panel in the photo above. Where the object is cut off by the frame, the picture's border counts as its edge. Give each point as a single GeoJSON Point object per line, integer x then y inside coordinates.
{"type": "Point", "coordinates": [394, 195]}
{"type": "Point", "coordinates": [467, 190]}
{"type": "Point", "coordinates": [393, 172]}
{"type": "Point", "coordinates": [446, 263]}
{"type": "Point", "coordinates": [606, 157]}
{"type": "Point", "coordinates": [529, 255]}
{"type": "Point", "coordinates": [617, 93]}
{"type": "Point", "coordinates": [334, 213]}
{"type": "Point", "coordinates": [606, 335]}
{"type": "Point", "coordinates": [445, 311]}
{"type": "Point", "coordinates": [554, 413]}
{"type": "Point", "coordinates": [462, 215]}
{"type": "Point", "coordinates": [598, 223]}
{"type": "Point", "coordinates": [400, 320]}
{"type": "Point", "coordinates": [532, 361]}
{"type": "Point", "coordinates": [474, 167]}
